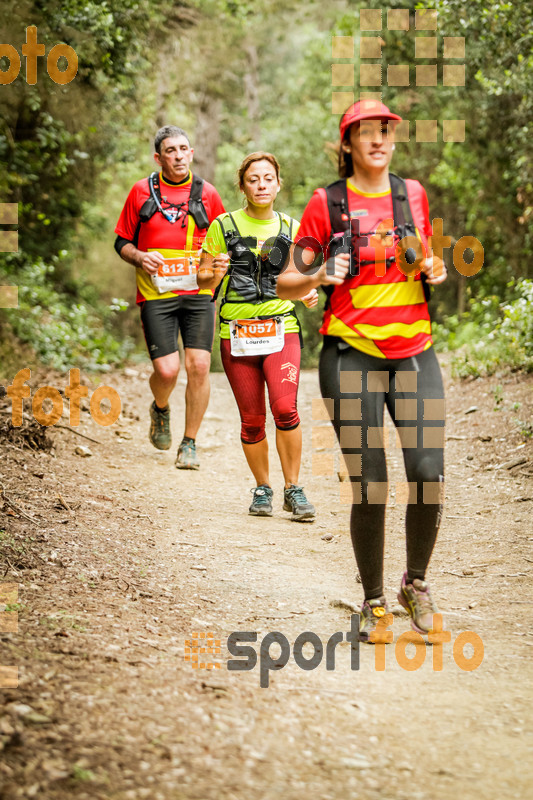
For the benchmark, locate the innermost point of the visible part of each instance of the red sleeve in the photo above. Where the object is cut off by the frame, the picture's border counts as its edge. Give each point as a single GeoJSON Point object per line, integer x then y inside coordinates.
{"type": "Point", "coordinates": [315, 227]}
{"type": "Point", "coordinates": [129, 217]}
{"type": "Point", "coordinates": [418, 200]}
{"type": "Point", "coordinates": [212, 201]}
{"type": "Point", "coordinates": [428, 230]}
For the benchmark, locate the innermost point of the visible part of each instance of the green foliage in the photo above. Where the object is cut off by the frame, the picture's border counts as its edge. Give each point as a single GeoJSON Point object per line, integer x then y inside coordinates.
{"type": "Point", "coordinates": [55, 142]}
{"type": "Point", "coordinates": [525, 427]}
{"type": "Point", "coordinates": [55, 139]}
{"type": "Point", "coordinates": [492, 335]}
{"type": "Point", "coordinates": [65, 330]}
{"type": "Point", "coordinates": [311, 320]}
{"type": "Point", "coordinates": [490, 181]}
{"type": "Point", "coordinates": [498, 397]}
{"type": "Point", "coordinates": [82, 775]}
{"type": "Point", "coordinates": [260, 73]}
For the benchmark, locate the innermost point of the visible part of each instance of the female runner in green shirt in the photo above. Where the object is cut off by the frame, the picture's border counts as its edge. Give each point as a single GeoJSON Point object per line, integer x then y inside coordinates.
{"type": "Point", "coordinates": [244, 251]}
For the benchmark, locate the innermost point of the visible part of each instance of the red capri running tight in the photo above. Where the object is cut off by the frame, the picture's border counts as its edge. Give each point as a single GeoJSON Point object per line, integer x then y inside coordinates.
{"type": "Point", "coordinates": [247, 376]}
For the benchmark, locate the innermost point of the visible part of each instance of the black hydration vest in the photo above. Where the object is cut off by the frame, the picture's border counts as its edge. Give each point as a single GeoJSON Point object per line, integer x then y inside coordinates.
{"type": "Point", "coordinates": [343, 240]}
{"type": "Point", "coordinates": [195, 207]}
{"type": "Point", "coordinates": [252, 277]}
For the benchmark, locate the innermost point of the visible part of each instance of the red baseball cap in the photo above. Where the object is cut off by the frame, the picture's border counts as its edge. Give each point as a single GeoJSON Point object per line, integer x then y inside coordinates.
{"type": "Point", "coordinates": [365, 109]}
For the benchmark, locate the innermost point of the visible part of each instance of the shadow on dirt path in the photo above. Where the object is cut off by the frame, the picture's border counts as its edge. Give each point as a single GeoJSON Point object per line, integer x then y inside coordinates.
{"type": "Point", "coordinates": [120, 559]}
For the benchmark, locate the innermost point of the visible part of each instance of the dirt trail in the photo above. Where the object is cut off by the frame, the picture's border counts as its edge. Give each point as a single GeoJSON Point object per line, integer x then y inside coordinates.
{"type": "Point", "coordinates": [130, 557]}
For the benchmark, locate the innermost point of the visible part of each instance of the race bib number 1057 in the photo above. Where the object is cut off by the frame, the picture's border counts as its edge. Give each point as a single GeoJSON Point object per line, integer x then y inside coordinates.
{"type": "Point", "coordinates": [251, 337]}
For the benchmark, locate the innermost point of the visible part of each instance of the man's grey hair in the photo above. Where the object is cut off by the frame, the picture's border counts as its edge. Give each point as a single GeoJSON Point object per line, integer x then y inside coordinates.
{"type": "Point", "coordinates": [165, 133]}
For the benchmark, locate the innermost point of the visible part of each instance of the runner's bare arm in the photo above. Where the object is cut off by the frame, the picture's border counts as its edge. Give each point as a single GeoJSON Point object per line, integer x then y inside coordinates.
{"type": "Point", "coordinates": [295, 282]}
{"type": "Point", "coordinates": [212, 269]}
{"type": "Point", "coordinates": [310, 300]}
{"type": "Point", "coordinates": [149, 262]}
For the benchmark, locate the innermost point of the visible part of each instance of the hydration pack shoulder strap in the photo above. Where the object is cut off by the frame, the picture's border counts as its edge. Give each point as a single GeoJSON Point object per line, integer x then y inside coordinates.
{"type": "Point", "coordinates": [228, 235]}
{"type": "Point", "coordinates": [233, 231]}
{"type": "Point", "coordinates": [403, 221]}
{"type": "Point", "coordinates": [196, 204]}
{"type": "Point", "coordinates": [339, 218]}
{"type": "Point", "coordinates": [196, 207]}
{"type": "Point", "coordinates": [275, 251]}
{"type": "Point", "coordinates": [153, 203]}
{"type": "Point", "coordinates": [337, 200]}
{"type": "Point", "coordinates": [285, 226]}
{"type": "Point", "coordinates": [401, 210]}
{"type": "Point", "coordinates": [232, 237]}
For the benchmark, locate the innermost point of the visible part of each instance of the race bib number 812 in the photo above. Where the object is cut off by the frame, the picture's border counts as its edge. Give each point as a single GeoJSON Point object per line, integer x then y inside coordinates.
{"type": "Point", "coordinates": [177, 273]}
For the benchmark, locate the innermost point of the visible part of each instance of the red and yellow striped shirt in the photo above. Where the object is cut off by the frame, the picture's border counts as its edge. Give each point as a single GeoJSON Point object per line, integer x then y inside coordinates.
{"type": "Point", "coordinates": [171, 240]}
{"type": "Point", "coordinates": [382, 315]}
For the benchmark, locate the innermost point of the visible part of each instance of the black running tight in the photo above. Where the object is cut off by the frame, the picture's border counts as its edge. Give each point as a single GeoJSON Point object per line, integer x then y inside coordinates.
{"type": "Point", "coordinates": [411, 388]}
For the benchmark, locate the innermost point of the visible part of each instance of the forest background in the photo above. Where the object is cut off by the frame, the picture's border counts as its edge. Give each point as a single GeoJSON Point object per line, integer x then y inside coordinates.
{"type": "Point", "coordinates": [240, 77]}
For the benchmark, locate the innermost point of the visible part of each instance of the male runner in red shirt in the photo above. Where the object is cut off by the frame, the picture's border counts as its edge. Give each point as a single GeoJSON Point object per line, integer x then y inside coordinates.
{"type": "Point", "coordinates": [160, 231]}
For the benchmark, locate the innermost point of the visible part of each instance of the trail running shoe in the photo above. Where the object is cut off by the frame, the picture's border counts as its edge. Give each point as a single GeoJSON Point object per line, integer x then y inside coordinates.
{"type": "Point", "coordinates": [160, 428]}
{"type": "Point", "coordinates": [295, 500]}
{"type": "Point", "coordinates": [416, 598]}
{"type": "Point", "coordinates": [371, 613]}
{"type": "Point", "coordinates": [187, 458]}
{"type": "Point", "coordinates": [262, 502]}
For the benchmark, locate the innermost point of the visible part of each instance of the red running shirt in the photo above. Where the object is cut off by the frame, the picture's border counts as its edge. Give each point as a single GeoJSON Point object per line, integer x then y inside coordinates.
{"type": "Point", "coordinates": [384, 315]}
{"type": "Point", "coordinates": [170, 239]}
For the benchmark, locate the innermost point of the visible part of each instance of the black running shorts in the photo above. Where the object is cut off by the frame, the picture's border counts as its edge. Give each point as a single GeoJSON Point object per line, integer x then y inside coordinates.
{"type": "Point", "coordinates": [163, 320]}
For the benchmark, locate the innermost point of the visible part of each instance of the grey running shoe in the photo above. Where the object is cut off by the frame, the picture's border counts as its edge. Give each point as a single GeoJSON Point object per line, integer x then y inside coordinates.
{"type": "Point", "coordinates": [160, 428]}
{"type": "Point", "coordinates": [371, 613]}
{"type": "Point", "coordinates": [295, 500]}
{"type": "Point", "coordinates": [187, 458]}
{"type": "Point", "coordinates": [416, 598]}
{"type": "Point", "coordinates": [262, 501]}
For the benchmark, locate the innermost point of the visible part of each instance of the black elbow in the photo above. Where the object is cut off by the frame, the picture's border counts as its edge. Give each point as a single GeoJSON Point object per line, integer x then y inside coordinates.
{"type": "Point", "coordinates": [120, 242]}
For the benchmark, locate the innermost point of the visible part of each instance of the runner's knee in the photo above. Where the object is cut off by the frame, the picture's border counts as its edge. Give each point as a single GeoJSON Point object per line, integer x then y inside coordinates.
{"type": "Point", "coordinates": [285, 413]}
{"type": "Point", "coordinates": [252, 428]}
{"type": "Point", "coordinates": [428, 469]}
{"type": "Point", "coordinates": [198, 369]}
{"type": "Point", "coordinates": [166, 373]}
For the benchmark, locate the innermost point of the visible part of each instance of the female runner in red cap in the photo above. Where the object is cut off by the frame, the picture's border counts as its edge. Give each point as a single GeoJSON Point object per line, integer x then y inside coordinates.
{"type": "Point", "coordinates": [377, 348]}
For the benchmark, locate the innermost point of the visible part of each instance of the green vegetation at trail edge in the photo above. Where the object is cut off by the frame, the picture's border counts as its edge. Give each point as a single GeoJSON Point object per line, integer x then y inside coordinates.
{"type": "Point", "coordinates": [69, 154]}
{"type": "Point", "coordinates": [491, 336]}
{"type": "Point", "coordinates": [55, 140]}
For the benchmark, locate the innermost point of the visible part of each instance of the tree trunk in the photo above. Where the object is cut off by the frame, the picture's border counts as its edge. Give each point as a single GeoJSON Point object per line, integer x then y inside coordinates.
{"type": "Point", "coordinates": [161, 91]}
{"type": "Point", "coordinates": [251, 88]}
{"type": "Point", "coordinates": [206, 138]}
